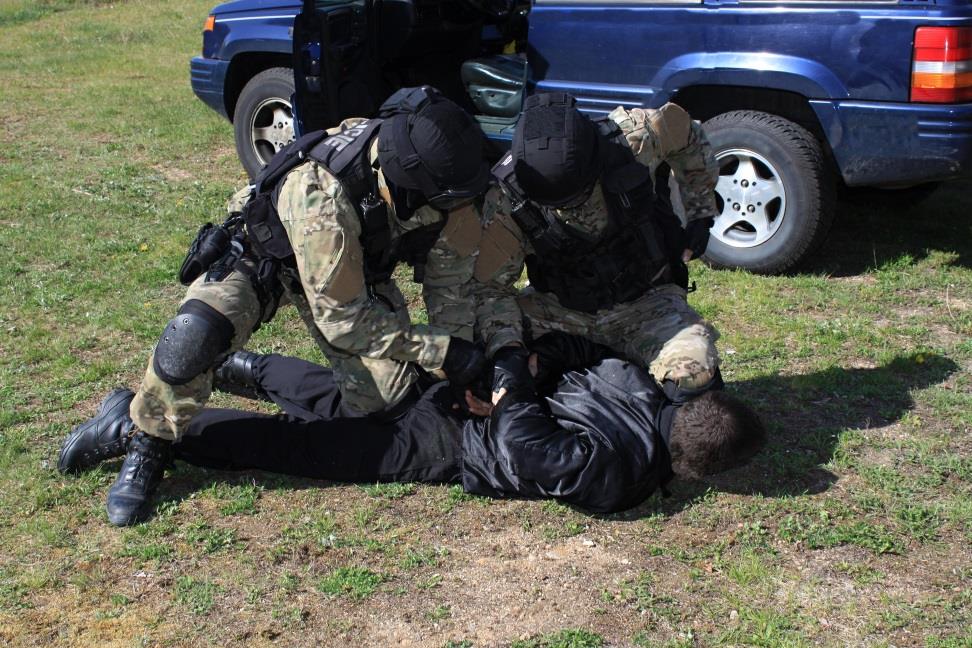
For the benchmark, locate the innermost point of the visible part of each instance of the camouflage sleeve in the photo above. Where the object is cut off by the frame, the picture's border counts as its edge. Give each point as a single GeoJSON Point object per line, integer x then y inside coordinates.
{"type": "Point", "coordinates": [669, 135]}
{"type": "Point", "coordinates": [498, 268]}
{"type": "Point", "coordinates": [323, 230]}
{"type": "Point", "coordinates": [238, 199]}
{"type": "Point", "coordinates": [447, 289]}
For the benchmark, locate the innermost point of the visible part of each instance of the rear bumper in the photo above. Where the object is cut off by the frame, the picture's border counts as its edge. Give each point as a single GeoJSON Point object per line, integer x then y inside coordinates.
{"type": "Point", "coordinates": [208, 77]}
{"type": "Point", "coordinates": [897, 144]}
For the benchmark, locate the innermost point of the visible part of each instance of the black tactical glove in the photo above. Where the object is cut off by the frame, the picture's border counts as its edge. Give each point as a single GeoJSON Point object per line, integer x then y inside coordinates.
{"type": "Point", "coordinates": [559, 352]}
{"type": "Point", "coordinates": [511, 370]}
{"type": "Point", "coordinates": [697, 236]}
{"type": "Point", "coordinates": [464, 361]}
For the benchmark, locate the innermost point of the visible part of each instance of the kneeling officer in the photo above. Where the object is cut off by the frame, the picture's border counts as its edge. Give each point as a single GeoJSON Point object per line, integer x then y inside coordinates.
{"type": "Point", "coordinates": [584, 205]}
{"type": "Point", "coordinates": [323, 227]}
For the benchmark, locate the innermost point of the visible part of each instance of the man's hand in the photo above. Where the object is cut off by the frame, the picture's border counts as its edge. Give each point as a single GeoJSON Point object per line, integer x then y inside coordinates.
{"type": "Point", "coordinates": [479, 407]}
{"type": "Point", "coordinates": [697, 238]}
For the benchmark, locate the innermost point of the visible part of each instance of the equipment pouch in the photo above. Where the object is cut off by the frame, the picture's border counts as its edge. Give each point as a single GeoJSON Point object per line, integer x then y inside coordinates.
{"type": "Point", "coordinates": [211, 244]}
{"type": "Point", "coordinates": [376, 239]}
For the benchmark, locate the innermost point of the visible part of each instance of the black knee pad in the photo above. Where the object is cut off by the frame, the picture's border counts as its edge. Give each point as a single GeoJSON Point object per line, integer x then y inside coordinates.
{"type": "Point", "coordinates": [191, 342]}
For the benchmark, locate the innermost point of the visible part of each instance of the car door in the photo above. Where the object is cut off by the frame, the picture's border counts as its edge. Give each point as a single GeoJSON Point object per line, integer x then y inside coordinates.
{"type": "Point", "coordinates": [335, 73]}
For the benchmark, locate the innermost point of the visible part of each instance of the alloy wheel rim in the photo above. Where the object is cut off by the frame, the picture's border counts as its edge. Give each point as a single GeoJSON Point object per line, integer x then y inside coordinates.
{"type": "Point", "coordinates": [751, 199]}
{"type": "Point", "coordinates": [271, 127]}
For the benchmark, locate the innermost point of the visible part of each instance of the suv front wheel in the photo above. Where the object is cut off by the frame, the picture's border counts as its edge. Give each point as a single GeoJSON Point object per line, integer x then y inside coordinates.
{"type": "Point", "coordinates": [775, 193]}
{"type": "Point", "coordinates": [263, 122]}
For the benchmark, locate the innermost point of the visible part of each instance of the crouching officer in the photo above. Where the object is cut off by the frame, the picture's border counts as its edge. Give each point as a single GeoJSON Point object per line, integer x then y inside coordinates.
{"type": "Point", "coordinates": [583, 204]}
{"type": "Point", "coordinates": [323, 227]}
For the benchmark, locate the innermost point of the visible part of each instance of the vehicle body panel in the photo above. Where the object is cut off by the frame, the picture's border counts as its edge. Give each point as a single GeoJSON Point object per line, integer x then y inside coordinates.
{"type": "Point", "coordinates": [242, 27]}
{"type": "Point", "coordinates": [897, 144]}
{"type": "Point", "coordinates": [849, 61]}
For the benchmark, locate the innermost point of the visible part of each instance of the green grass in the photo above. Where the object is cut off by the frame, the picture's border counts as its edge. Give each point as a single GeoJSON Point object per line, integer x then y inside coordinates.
{"type": "Point", "coordinates": [562, 639]}
{"type": "Point", "coordinates": [853, 528]}
{"type": "Point", "coordinates": [354, 582]}
{"type": "Point", "coordinates": [196, 595]}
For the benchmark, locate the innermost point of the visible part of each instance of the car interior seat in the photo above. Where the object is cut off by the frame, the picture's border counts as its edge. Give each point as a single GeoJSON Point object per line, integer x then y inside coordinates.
{"type": "Point", "coordinates": [495, 83]}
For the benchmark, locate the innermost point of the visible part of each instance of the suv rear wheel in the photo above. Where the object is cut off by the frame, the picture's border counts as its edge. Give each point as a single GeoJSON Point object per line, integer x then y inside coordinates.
{"type": "Point", "coordinates": [263, 122]}
{"type": "Point", "coordinates": [775, 193]}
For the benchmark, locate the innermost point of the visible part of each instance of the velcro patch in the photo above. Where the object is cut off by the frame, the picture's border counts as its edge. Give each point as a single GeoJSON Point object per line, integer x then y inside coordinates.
{"type": "Point", "coordinates": [463, 231]}
{"type": "Point", "coordinates": [496, 247]}
{"type": "Point", "coordinates": [671, 125]}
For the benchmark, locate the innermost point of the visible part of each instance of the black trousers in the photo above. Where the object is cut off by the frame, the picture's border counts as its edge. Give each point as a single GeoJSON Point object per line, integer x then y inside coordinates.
{"type": "Point", "coordinates": [310, 439]}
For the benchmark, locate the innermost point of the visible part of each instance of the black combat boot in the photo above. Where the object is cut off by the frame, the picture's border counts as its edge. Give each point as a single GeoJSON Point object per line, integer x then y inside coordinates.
{"type": "Point", "coordinates": [237, 376]}
{"type": "Point", "coordinates": [103, 437]}
{"type": "Point", "coordinates": [130, 497]}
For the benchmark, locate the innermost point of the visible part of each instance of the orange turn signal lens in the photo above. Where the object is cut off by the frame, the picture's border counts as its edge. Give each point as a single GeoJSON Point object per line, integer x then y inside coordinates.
{"type": "Point", "coordinates": [209, 24]}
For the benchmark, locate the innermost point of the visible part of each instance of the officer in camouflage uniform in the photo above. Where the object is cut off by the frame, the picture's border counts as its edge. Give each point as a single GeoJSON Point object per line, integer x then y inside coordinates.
{"type": "Point", "coordinates": [325, 224]}
{"type": "Point", "coordinates": [576, 203]}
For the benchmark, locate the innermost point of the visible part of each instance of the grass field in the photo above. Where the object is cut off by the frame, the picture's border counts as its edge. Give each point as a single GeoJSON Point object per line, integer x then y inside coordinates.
{"type": "Point", "coordinates": [854, 528]}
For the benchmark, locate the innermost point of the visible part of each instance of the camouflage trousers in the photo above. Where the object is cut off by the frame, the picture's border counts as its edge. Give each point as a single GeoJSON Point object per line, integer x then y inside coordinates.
{"type": "Point", "coordinates": [367, 385]}
{"type": "Point", "coordinates": [659, 331]}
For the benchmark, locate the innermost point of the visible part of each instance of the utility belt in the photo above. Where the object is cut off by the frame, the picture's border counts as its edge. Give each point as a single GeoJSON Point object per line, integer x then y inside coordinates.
{"type": "Point", "coordinates": [218, 250]}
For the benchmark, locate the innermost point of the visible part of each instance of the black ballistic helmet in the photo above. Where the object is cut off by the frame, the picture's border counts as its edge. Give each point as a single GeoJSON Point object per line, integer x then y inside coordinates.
{"type": "Point", "coordinates": [430, 145]}
{"type": "Point", "coordinates": [556, 150]}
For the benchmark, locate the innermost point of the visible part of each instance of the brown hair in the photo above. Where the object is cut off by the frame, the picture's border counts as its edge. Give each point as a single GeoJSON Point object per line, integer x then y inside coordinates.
{"type": "Point", "coordinates": [712, 433]}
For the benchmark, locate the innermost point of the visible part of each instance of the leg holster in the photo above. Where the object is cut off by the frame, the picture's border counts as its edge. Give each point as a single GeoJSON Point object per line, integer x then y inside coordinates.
{"type": "Point", "coordinates": [263, 275]}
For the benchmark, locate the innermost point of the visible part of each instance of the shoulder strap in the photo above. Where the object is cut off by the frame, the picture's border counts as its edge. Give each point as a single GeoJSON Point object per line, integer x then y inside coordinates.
{"type": "Point", "coordinates": [527, 216]}
{"type": "Point", "coordinates": [286, 159]}
{"type": "Point", "coordinates": [341, 149]}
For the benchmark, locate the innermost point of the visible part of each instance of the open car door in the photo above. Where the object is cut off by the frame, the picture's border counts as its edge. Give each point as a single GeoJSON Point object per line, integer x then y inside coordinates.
{"type": "Point", "coordinates": [335, 75]}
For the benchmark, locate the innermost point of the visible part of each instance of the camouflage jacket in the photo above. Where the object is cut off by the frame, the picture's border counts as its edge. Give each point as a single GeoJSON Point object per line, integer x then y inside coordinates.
{"type": "Point", "coordinates": [324, 230]}
{"type": "Point", "coordinates": [666, 135]}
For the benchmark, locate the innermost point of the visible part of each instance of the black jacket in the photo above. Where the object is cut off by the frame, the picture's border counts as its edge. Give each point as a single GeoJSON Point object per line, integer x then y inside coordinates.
{"type": "Point", "coordinates": [593, 443]}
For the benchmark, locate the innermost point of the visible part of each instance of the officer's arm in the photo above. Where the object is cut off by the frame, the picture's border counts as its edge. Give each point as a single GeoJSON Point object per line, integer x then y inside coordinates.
{"type": "Point", "coordinates": [447, 289]}
{"type": "Point", "coordinates": [498, 268]}
{"type": "Point", "coordinates": [324, 229]}
{"type": "Point", "coordinates": [670, 135]}
{"type": "Point", "coordinates": [238, 200]}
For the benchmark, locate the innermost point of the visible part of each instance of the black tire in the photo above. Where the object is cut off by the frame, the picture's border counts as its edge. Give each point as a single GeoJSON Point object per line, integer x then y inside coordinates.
{"type": "Point", "coordinates": [263, 120]}
{"type": "Point", "coordinates": [790, 164]}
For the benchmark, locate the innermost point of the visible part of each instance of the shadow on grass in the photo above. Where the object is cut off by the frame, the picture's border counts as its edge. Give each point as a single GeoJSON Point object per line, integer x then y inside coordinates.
{"type": "Point", "coordinates": [804, 417]}
{"type": "Point", "coordinates": [875, 228]}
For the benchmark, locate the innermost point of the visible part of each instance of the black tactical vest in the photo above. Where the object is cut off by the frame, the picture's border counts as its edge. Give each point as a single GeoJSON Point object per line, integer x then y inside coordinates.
{"type": "Point", "coordinates": [345, 155]}
{"type": "Point", "coordinates": [638, 249]}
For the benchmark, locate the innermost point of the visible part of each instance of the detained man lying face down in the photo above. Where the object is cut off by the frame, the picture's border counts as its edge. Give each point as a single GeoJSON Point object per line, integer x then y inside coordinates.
{"type": "Point", "coordinates": [582, 427]}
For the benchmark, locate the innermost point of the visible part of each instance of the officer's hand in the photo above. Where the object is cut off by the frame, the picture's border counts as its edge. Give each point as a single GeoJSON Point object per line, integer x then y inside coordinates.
{"type": "Point", "coordinates": [464, 361]}
{"type": "Point", "coordinates": [511, 371]}
{"type": "Point", "coordinates": [697, 238]}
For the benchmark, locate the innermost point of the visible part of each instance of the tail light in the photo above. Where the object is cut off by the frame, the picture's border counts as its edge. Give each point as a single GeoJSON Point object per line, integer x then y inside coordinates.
{"type": "Point", "coordinates": [942, 67]}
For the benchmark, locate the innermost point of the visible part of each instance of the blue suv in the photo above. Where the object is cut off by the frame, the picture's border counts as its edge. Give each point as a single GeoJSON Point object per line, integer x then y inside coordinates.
{"type": "Point", "coordinates": [797, 97]}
